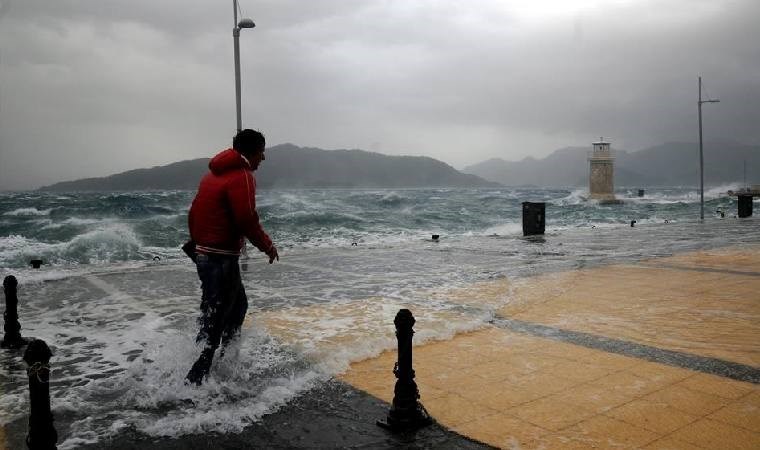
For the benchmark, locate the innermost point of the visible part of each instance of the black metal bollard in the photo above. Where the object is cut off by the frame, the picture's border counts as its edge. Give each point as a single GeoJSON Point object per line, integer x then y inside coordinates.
{"type": "Point", "coordinates": [12, 337]}
{"type": "Point", "coordinates": [406, 413]}
{"type": "Point", "coordinates": [41, 434]}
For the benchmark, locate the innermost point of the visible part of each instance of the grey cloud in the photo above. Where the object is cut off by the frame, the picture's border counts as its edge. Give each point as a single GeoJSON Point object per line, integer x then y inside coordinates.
{"type": "Point", "coordinates": [95, 87]}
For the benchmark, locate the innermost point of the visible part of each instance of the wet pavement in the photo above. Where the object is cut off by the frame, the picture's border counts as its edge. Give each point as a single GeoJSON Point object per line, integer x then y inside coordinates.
{"type": "Point", "coordinates": [334, 416]}
{"type": "Point", "coordinates": [661, 354]}
{"type": "Point", "coordinates": [596, 337]}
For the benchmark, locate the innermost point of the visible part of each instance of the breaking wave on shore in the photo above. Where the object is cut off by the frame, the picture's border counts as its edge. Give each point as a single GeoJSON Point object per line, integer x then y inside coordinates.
{"type": "Point", "coordinates": [100, 228]}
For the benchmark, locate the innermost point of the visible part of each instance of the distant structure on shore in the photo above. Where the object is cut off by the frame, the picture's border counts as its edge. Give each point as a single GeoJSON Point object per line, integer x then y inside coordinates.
{"type": "Point", "coordinates": [602, 173]}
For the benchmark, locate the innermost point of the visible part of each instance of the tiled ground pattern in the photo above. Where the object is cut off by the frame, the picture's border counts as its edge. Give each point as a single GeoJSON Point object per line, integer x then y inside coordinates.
{"type": "Point", "coordinates": [514, 390]}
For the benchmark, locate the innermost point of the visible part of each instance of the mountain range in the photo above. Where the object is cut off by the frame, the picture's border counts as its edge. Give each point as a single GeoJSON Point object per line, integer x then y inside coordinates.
{"type": "Point", "coordinates": [290, 166]}
{"type": "Point", "coordinates": [669, 164]}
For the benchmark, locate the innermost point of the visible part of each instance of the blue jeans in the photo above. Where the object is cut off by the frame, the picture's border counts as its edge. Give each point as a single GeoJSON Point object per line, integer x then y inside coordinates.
{"type": "Point", "coordinates": [224, 303]}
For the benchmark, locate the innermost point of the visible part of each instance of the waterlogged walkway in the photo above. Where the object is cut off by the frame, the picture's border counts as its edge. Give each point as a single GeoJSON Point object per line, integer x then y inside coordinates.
{"type": "Point", "coordinates": [664, 354]}
{"type": "Point", "coordinates": [587, 338]}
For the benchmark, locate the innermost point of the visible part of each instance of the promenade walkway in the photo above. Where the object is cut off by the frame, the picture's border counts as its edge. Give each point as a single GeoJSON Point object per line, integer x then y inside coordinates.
{"type": "Point", "coordinates": [663, 354]}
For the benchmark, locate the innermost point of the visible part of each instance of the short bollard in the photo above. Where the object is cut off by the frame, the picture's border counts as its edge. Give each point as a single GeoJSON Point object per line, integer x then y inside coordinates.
{"type": "Point", "coordinates": [12, 337]}
{"type": "Point", "coordinates": [41, 434]}
{"type": "Point", "coordinates": [406, 413]}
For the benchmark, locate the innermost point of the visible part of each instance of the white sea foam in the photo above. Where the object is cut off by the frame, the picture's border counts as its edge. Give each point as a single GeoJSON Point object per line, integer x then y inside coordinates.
{"type": "Point", "coordinates": [253, 380]}
{"type": "Point", "coordinates": [576, 197]}
{"type": "Point", "coordinates": [102, 244]}
{"type": "Point", "coordinates": [391, 198]}
{"type": "Point", "coordinates": [506, 229]}
{"type": "Point", "coordinates": [83, 221]}
{"type": "Point", "coordinates": [28, 212]}
{"type": "Point", "coordinates": [105, 389]}
{"type": "Point", "coordinates": [76, 221]}
{"type": "Point", "coordinates": [673, 196]}
{"type": "Point", "coordinates": [121, 363]}
{"type": "Point", "coordinates": [26, 275]}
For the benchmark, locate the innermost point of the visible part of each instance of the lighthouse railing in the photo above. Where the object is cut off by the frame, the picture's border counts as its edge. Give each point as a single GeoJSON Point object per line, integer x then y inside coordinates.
{"type": "Point", "coordinates": [606, 155]}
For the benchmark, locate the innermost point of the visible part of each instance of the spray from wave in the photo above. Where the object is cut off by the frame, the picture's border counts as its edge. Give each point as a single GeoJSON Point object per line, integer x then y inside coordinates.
{"type": "Point", "coordinates": [28, 212]}
{"type": "Point", "coordinates": [107, 243]}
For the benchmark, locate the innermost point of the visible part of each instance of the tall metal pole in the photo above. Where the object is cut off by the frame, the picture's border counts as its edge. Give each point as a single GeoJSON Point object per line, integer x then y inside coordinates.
{"type": "Point", "coordinates": [236, 40]}
{"type": "Point", "coordinates": [701, 158]}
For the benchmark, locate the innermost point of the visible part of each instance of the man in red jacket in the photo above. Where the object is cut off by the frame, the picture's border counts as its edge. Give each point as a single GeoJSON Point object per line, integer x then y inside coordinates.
{"type": "Point", "coordinates": [222, 215]}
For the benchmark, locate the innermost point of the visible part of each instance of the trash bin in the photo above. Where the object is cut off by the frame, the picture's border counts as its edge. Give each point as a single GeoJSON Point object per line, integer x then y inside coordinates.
{"type": "Point", "coordinates": [745, 205]}
{"type": "Point", "coordinates": [533, 218]}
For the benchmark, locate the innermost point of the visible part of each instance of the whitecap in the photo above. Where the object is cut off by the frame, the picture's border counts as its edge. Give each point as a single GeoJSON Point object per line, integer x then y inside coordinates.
{"type": "Point", "coordinates": [29, 212]}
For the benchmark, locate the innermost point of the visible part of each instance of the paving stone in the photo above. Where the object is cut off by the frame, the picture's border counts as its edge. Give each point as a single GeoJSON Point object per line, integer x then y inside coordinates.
{"type": "Point", "coordinates": [713, 434]}
{"type": "Point", "coordinates": [714, 385]}
{"type": "Point", "coordinates": [741, 413]}
{"type": "Point", "coordinates": [606, 432]}
{"type": "Point", "coordinates": [688, 401]}
{"type": "Point", "coordinates": [658, 417]}
{"type": "Point", "coordinates": [669, 443]}
{"type": "Point", "coordinates": [504, 431]}
{"type": "Point", "coordinates": [550, 414]}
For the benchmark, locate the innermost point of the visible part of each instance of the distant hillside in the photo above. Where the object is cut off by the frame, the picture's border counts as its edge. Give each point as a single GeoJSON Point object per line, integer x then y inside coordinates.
{"type": "Point", "coordinates": [289, 166]}
{"type": "Point", "coordinates": [670, 164]}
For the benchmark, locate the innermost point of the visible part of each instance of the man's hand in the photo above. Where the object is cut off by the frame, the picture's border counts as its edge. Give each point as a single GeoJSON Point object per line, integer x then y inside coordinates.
{"type": "Point", "coordinates": [272, 254]}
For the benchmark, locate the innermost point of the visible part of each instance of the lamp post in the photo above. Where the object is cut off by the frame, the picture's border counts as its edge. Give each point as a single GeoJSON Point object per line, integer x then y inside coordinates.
{"type": "Point", "coordinates": [244, 23]}
{"type": "Point", "coordinates": [701, 157]}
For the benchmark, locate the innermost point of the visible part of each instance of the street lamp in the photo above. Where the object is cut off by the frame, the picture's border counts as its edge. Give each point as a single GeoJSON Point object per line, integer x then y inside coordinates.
{"type": "Point", "coordinates": [701, 158]}
{"type": "Point", "coordinates": [244, 23]}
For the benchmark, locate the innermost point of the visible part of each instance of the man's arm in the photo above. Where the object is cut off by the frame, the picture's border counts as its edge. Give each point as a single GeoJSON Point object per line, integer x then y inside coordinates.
{"type": "Point", "coordinates": [242, 198]}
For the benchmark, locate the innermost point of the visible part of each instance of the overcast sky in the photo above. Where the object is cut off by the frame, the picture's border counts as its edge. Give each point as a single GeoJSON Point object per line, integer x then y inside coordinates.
{"type": "Point", "coordinates": [95, 87]}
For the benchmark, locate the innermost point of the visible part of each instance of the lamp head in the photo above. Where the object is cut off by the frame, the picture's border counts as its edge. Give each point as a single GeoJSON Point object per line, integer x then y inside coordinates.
{"type": "Point", "coordinates": [246, 23]}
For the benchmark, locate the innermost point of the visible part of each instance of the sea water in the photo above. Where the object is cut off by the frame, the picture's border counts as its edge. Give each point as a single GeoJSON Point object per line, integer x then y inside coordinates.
{"type": "Point", "coordinates": [117, 300]}
{"type": "Point", "coordinates": [70, 229]}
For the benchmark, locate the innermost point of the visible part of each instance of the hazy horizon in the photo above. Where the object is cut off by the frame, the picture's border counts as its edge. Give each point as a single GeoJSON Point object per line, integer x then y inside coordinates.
{"type": "Point", "coordinates": [545, 170]}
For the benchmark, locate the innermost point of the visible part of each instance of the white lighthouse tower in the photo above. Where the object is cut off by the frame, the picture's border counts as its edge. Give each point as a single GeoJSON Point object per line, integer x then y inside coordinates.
{"type": "Point", "coordinates": [601, 173]}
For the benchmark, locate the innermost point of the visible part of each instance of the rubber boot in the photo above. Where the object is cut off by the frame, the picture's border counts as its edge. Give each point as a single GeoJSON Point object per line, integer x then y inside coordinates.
{"type": "Point", "coordinates": [201, 368]}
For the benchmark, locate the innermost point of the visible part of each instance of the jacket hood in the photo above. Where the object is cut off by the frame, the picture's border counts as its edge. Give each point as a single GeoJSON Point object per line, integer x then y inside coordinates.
{"type": "Point", "coordinates": [226, 161]}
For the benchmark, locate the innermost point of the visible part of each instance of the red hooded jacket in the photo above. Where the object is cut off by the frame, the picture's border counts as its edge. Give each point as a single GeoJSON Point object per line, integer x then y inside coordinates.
{"type": "Point", "coordinates": [223, 212]}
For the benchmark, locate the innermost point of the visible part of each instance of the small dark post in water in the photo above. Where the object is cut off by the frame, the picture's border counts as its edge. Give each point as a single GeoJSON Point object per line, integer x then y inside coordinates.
{"type": "Point", "coordinates": [641, 192]}
{"type": "Point", "coordinates": [533, 218]}
{"type": "Point", "coordinates": [633, 222]}
{"type": "Point", "coordinates": [36, 263]}
{"type": "Point", "coordinates": [745, 205]}
{"type": "Point", "coordinates": [41, 434]}
{"type": "Point", "coordinates": [12, 328]}
{"type": "Point", "coordinates": [406, 413]}
{"type": "Point", "coordinates": [435, 237]}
